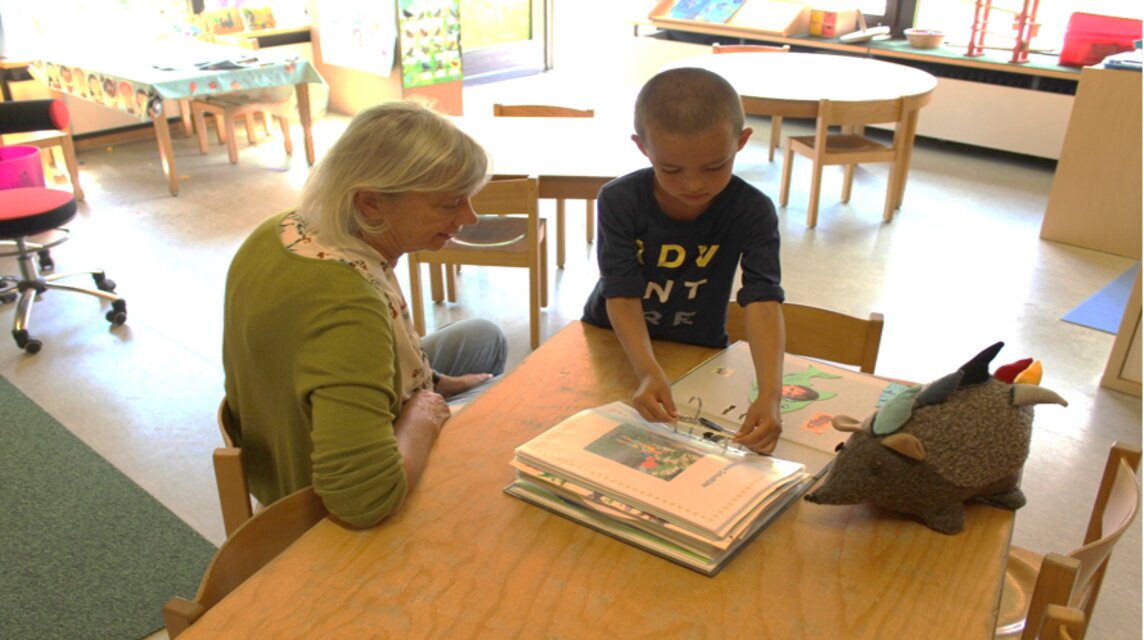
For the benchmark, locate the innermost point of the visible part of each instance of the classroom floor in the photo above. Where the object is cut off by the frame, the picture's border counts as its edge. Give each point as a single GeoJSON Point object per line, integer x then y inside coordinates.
{"type": "Point", "coordinates": [960, 267]}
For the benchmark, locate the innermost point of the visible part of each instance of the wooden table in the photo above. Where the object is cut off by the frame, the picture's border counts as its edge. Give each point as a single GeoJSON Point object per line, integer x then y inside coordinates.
{"type": "Point", "coordinates": [571, 157]}
{"type": "Point", "coordinates": [462, 560]}
{"type": "Point", "coordinates": [791, 85]}
{"type": "Point", "coordinates": [138, 82]}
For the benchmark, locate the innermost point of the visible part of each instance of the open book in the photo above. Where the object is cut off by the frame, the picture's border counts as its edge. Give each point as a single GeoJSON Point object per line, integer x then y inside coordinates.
{"type": "Point", "coordinates": [665, 489]}
{"type": "Point", "coordinates": [720, 389]}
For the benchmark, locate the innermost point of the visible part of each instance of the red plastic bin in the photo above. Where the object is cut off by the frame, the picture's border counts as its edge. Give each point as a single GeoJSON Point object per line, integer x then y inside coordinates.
{"type": "Point", "coordinates": [1090, 38]}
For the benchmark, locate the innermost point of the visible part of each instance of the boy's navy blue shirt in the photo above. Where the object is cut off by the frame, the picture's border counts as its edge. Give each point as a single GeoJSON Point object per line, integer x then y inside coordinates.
{"type": "Point", "coordinates": [683, 271]}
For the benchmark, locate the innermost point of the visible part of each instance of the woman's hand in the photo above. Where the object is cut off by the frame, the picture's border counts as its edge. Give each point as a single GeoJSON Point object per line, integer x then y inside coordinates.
{"type": "Point", "coordinates": [450, 386]}
{"type": "Point", "coordinates": [761, 427]}
{"type": "Point", "coordinates": [425, 413]}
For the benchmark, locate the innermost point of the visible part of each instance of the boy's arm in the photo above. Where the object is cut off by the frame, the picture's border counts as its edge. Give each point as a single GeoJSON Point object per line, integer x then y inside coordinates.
{"type": "Point", "coordinates": [766, 334]}
{"type": "Point", "coordinates": [653, 396]}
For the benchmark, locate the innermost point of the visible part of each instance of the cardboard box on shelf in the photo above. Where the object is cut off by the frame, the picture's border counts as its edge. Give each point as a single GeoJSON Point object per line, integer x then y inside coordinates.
{"type": "Point", "coordinates": [832, 23]}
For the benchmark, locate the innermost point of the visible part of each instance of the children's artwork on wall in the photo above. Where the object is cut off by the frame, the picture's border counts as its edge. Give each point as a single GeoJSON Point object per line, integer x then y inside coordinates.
{"type": "Point", "coordinates": [221, 21]}
{"type": "Point", "coordinates": [258, 18]}
{"type": "Point", "coordinates": [359, 35]}
{"type": "Point", "coordinates": [430, 32]}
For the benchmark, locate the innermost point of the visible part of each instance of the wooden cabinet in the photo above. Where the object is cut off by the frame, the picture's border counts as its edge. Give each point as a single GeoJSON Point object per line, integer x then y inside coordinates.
{"type": "Point", "coordinates": [1095, 198]}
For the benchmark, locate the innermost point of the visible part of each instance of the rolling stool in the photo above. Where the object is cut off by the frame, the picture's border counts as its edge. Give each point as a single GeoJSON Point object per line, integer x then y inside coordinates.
{"type": "Point", "coordinates": [29, 211]}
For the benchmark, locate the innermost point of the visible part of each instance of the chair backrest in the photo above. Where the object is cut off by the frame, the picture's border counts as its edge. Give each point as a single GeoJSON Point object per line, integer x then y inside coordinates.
{"type": "Point", "coordinates": [1056, 580]}
{"type": "Point", "coordinates": [230, 477]}
{"type": "Point", "coordinates": [23, 116]}
{"type": "Point", "coordinates": [255, 543]}
{"type": "Point", "coordinates": [1117, 503]}
{"type": "Point", "coordinates": [502, 197]}
{"type": "Point", "coordinates": [540, 111]}
{"type": "Point", "coordinates": [820, 333]}
{"type": "Point", "coordinates": [749, 48]}
{"type": "Point", "coordinates": [834, 112]}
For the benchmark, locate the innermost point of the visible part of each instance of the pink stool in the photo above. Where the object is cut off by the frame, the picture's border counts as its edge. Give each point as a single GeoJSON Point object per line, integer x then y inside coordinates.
{"type": "Point", "coordinates": [29, 211]}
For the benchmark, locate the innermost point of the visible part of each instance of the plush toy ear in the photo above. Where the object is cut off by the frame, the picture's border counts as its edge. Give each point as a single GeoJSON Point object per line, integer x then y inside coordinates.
{"type": "Point", "coordinates": [846, 424]}
{"type": "Point", "coordinates": [905, 444]}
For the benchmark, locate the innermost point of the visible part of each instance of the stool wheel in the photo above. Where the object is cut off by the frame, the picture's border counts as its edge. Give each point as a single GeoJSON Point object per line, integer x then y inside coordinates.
{"type": "Point", "coordinates": [102, 282]}
{"type": "Point", "coordinates": [27, 342]}
{"type": "Point", "coordinates": [118, 313]}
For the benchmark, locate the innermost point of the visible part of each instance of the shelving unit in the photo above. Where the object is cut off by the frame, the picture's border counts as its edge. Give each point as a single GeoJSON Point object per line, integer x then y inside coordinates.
{"type": "Point", "coordinates": [1024, 24]}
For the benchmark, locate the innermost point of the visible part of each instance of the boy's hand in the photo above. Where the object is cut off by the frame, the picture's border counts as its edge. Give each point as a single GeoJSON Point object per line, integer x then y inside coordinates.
{"type": "Point", "coordinates": [761, 428]}
{"type": "Point", "coordinates": [653, 399]}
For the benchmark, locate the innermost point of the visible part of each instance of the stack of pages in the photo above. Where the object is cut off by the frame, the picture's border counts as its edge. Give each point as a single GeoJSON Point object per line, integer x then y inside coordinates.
{"type": "Point", "coordinates": [683, 492]}
{"type": "Point", "coordinates": [670, 491]}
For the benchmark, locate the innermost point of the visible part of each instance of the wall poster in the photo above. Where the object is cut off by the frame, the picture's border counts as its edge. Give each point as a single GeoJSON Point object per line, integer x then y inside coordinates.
{"type": "Point", "coordinates": [430, 32]}
{"type": "Point", "coordinates": [358, 35]}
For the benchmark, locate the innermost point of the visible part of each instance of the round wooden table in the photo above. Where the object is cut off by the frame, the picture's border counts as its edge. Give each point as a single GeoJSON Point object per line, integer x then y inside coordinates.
{"type": "Point", "coordinates": [792, 84]}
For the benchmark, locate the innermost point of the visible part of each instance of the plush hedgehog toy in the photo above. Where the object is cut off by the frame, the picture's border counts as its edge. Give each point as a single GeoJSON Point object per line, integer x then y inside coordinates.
{"type": "Point", "coordinates": [931, 448]}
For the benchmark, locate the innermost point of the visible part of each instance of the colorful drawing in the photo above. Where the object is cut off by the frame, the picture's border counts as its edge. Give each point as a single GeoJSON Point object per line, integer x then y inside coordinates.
{"type": "Point", "coordinates": [719, 11]}
{"type": "Point", "coordinates": [430, 32]}
{"type": "Point", "coordinates": [650, 453]}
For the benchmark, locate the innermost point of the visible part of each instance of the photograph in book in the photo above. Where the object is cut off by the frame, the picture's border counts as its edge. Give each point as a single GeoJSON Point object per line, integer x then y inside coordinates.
{"type": "Point", "coordinates": [700, 485]}
{"type": "Point", "coordinates": [722, 388]}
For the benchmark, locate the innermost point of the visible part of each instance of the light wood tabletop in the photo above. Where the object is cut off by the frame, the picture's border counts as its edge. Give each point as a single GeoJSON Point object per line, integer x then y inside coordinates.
{"type": "Point", "coordinates": [461, 559]}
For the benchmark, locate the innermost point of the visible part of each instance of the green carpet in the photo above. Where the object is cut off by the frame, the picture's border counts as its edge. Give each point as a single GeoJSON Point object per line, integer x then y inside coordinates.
{"type": "Point", "coordinates": [84, 551]}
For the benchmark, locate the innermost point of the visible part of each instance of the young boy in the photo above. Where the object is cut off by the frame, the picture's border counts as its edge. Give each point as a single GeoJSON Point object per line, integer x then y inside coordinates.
{"type": "Point", "coordinates": [670, 237]}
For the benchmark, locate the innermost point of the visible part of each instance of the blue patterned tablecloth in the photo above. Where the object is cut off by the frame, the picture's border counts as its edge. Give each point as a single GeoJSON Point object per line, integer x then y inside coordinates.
{"type": "Point", "coordinates": [187, 69]}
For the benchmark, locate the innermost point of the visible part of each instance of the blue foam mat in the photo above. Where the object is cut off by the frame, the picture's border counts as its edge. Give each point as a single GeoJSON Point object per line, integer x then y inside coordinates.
{"type": "Point", "coordinates": [1105, 308]}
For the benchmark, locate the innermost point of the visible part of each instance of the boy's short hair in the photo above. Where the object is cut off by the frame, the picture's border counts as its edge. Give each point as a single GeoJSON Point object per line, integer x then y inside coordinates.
{"type": "Point", "coordinates": [688, 100]}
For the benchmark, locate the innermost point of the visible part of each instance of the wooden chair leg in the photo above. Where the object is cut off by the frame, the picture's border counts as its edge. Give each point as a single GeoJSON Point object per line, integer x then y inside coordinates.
{"type": "Point", "coordinates": [231, 143]}
{"type": "Point", "coordinates": [560, 233]}
{"type": "Point", "coordinates": [776, 136]}
{"type": "Point", "coordinates": [251, 133]}
{"type": "Point", "coordinates": [436, 291]}
{"type": "Point", "coordinates": [284, 123]}
{"type": "Point", "coordinates": [201, 128]}
{"type": "Point", "coordinates": [451, 273]}
{"type": "Point", "coordinates": [891, 190]}
{"type": "Point", "coordinates": [220, 129]}
{"type": "Point", "coordinates": [590, 221]}
{"type": "Point", "coordinates": [73, 166]}
{"type": "Point", "coordinates": [847, 181]}
{"type": "Point", "coordinates": [815, 185]}
{"type": "Point", "coordinates": [415, 298]}
{"type": "Point", "coordinates": [544, 273]}
{"type": "Point", "coordinates": [185, 113]}
{"type": "Point", "coordinates": [784, 185]}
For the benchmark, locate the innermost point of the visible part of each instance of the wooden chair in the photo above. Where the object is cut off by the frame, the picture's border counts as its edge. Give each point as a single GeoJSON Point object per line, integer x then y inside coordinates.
{"type": "Point", "coordinates": [850, 147]}
{"type": "Point", "coordinates": [42, 124]}
{"type": "Point", "coordinates": [776, 120]}
{"type": "Point", "coordinates": [1033, 582]}
{"type": "Point", "coordinates": [821, 333]}
{"type": "Point", "coordinates": [552, 111]}
{"type": "Point", "coordinates": [226, 110]}
{"type": "Point", "coordinates": [1063, 623]}
{"type": "Point", "coordinates": [254, 544]}
{"type": "Point", "coordinates": [510, 233]}
{"type": "Point", "coordinates": [230, 477]}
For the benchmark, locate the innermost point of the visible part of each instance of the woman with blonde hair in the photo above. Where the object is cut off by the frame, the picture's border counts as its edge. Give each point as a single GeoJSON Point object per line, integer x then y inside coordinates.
{"type": "Point", "coordinates": [327, 381]}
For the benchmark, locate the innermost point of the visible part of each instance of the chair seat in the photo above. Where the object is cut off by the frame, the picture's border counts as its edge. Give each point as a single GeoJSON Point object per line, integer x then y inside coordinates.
{"type": "Point", "coordinates": [843, 143]}
{"type": "Point", "coordinates": [30, 210]}
{"type": "Point", "coordinates": [492, 231]}
{"type": "Point", "coordinates": [1020, 579]}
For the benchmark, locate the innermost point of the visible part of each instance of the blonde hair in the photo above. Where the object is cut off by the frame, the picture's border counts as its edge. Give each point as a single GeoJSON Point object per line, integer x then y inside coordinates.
{"type": "Point", "coordinates": [688, 100]}
{"type": "Point", "coordinates": [390, 148]}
